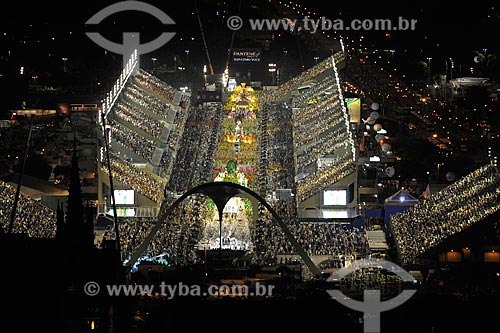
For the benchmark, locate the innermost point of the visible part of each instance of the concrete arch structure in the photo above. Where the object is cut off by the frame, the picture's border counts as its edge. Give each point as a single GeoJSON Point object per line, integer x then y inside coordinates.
{"type": "Point", "coordinates": [220, 193]}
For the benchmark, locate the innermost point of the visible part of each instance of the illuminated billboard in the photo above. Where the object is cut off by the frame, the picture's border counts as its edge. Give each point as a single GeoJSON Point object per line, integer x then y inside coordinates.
{"type": "Point", "coordinates": [354, 109]}
{"type": "Point", "coordinates": [334, 197]}
{"type": "Point", "coordinates": [123, 212]}
{"type": "Point", "coordinates": [246, 55]}
{"type": "Point", "coordinates": [124, 197]}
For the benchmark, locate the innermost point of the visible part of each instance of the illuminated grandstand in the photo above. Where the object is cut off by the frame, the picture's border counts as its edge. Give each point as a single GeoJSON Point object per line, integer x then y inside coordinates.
{"type": "Point", "coordinates": [145, 121]}
{"type": "Point", "coordinates": [283, 92]}
{"type": "Point", "coordinates": [324, 153]}
{"type": "Point", "coordinates": [452, 210]}
{"type": "Point", "coordinates": [32, 218]}
{"type": "Point", "coordinates": [233, 131]}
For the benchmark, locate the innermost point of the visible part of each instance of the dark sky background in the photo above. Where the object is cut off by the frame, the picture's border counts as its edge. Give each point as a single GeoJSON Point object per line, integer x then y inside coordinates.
{"type": "Point", "coordinates": [444, 22]}
{"type": "Point", "coordinates": [38, 35]}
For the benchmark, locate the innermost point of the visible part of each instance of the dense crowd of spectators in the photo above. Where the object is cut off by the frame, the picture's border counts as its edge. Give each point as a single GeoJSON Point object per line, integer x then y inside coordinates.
{"type": "Point", "coordinates": [138, 95]}
{"type": "Point", "coordinates": [32, 218]}
{"type": "Point", "coordinates": [317, 118]}
{"type": "Point", "coordinates": [173, 141]}
{"type": "Point", "coordinates": [331, 239]}
{"type": "Point", "coordinates": [311, 126]}
{"type": "Point", "coordinates": [372, 278]}
{"type": "Point", "coordinates": [319, 131]}
{"type": "Point", "coordinates": [147, 105]}
{"type": "Point", "coordinates": [453, 209]}
{"type": "Point", "coordinates": [178, 129]}
{"type": "Point", "coordinates": [316, 93]}
{"type": "Point", "coordinates": [153, 83]}
{"type": "Point", "coordinates": [308, 186]}
{"type": "Point", "coordinates": [196, 156]}
{"type": "Point", "coordinates": [334, 240]}
{"type": "Point", "coordinates": [276, 157]}
{"type": "Point", "coordinates": [132, 140]}
{"type": "Point", "coordinates": [176, 239]}
{"type": "Point", "coordinates": [141, 180]}
{"type": "Point", "coordinates": [288, 86]}
{"type": "Point", "coordinates": [195, 135]}
{"type": "Point", "coordinates": [139, 118]}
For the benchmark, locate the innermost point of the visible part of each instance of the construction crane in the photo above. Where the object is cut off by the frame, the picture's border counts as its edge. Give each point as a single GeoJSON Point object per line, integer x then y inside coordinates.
{"type": "Point", "coordinates": [203, 38]}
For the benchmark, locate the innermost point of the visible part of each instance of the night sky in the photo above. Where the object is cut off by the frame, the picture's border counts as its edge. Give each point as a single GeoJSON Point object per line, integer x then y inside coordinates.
{"type": "Point", "coordinates": [452, 26]}
{"type": "Point", "coordinates": [39, 35]}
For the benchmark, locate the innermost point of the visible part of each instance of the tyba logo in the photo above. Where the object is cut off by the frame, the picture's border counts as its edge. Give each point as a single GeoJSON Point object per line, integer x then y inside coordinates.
{"type": "Point", "coordinates": [131, 40]}
{"type": "Point", "coordinates": [371, 306]}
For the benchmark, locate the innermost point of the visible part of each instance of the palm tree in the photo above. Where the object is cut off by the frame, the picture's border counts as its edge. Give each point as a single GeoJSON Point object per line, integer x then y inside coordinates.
{"type": "Point", "coordinates": [486, 61]}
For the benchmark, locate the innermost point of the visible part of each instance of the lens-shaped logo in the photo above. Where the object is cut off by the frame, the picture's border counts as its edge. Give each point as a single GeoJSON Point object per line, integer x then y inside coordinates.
{"type": "Point", "coordinates": [371, 306]}
{"type": "Point", "coordinates": [131, 40]}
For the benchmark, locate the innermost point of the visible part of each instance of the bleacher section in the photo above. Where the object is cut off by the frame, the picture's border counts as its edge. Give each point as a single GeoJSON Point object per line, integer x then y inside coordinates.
{"type": "Point", "coordinates": [322, 147]}
{"type": "Point", "coordinates": [452, 210]}
{"type": "Point", "coordinates": [146, 183]}
{"type": "Point", "coordinates": [332, 241]}
{"type": "Point", "coordinates": [321, 137]}
{"type": "Point", "coordinates": [276, 149]}
{"type": "Point", "coordinates": [32, 218]}
{"type": "Point", "coordinates": [146, 125]}
{"type": "Point", "coordinates": [283, 91]}
{"type": "Point", "coordinates": [194, 162]}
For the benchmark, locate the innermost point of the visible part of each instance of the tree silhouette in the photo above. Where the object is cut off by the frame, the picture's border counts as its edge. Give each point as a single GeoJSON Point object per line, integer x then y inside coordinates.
{"type": "Point", "coordinates": [486, 62]}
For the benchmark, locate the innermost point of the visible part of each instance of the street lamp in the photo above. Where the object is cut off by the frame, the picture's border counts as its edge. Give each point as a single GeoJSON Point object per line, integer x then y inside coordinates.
{"type": "Point", "coordinates": [451, 70]}
{"type": "Point", "coordinates": [429, 66]}
{"type": "Point", "coordinates": [65, 69]}
{"type": "Point", "coordinates": [154, 63]}
{"type": "Point", "coordinates": [272, 71]}
{"type": "Point", "coordinates": [316, 58]}
{"type": "Point", "coordinates": [187, 57]}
